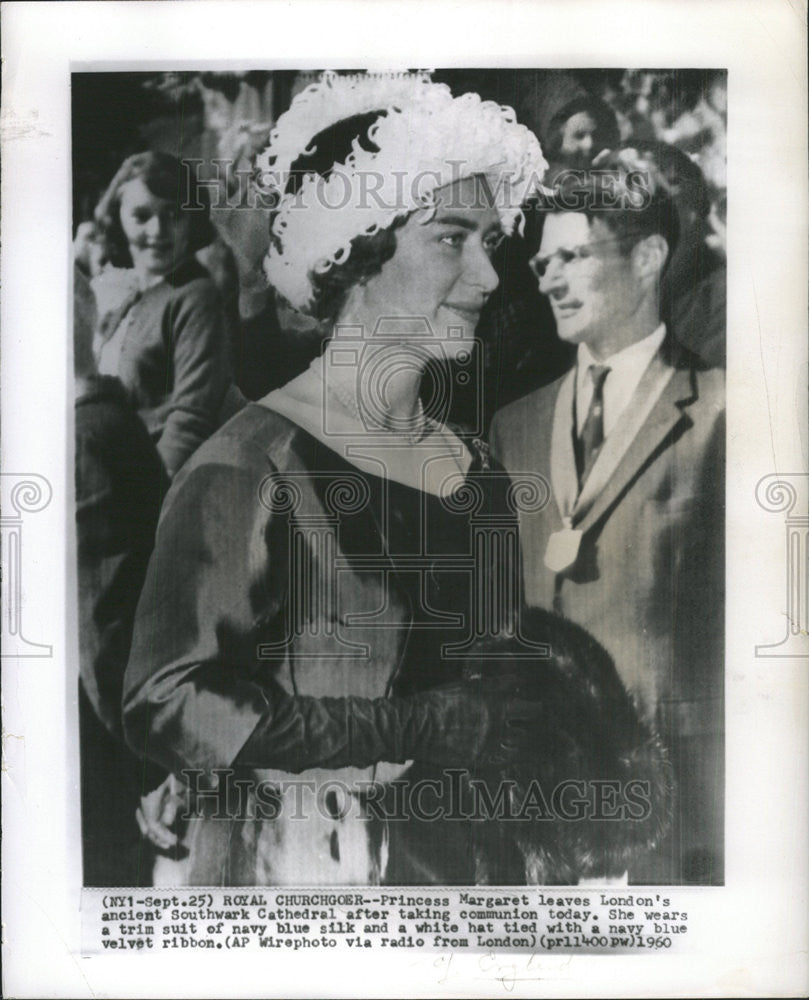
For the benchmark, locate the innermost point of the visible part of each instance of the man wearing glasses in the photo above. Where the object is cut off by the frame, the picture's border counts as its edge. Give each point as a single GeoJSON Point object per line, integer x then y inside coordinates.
{"type": "Point", "coordinates": [631, 441]}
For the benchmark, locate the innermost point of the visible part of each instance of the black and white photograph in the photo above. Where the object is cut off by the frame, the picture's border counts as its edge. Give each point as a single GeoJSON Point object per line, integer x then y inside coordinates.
{"type": "Point", "coordinates": [404, 487]}
{"type": "Point", "coordinates": [400, 476]}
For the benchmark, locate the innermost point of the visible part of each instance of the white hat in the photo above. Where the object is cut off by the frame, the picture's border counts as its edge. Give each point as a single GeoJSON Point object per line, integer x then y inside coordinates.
{"type": "Point", "coordinates": [424, 139]}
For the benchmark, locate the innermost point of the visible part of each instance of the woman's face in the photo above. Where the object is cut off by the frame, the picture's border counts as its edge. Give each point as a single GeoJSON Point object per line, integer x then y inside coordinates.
{"type": "Point", "coordinates": [156, 229]}
{"type": "Point", "coordinates": [578, 137]}
{"type": "Point", "coordinates": [441, 271]}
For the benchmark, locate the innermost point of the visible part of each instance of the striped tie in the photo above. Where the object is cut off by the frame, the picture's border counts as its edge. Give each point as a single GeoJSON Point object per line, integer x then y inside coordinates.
{"type": "Point", "coordinates": [592, 433]}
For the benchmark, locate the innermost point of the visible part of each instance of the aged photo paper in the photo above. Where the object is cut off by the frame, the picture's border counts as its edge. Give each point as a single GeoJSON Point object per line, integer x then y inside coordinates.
{"type": "Point", "coordinates": [404, 490]}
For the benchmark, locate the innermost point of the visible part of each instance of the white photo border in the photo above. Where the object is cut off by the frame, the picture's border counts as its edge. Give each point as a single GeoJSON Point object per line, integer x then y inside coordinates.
{"type": "Point", "coordinates": [750, 937]}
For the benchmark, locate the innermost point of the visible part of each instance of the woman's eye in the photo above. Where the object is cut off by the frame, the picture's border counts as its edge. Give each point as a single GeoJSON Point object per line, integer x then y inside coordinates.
{"type": "Point", "coordinates": [491, 243]}
{"type": "Point", "coordinates": [454, 240]}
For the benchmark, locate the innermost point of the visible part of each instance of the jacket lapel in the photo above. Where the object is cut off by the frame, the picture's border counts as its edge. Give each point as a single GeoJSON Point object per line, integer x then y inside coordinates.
{"type": "Point", "coordinates": [664, 417]}
{"type": "Point", "coordinates": [564, 478]}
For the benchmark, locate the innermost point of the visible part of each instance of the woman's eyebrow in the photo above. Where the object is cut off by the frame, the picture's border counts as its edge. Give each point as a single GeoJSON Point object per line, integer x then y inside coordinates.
{"type": "Point", "coordinates": [455, 220]}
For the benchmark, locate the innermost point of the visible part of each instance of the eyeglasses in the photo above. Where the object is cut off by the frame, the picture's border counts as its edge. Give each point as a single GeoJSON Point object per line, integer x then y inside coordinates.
{"type": "Point", "coordinates": [569, 255]}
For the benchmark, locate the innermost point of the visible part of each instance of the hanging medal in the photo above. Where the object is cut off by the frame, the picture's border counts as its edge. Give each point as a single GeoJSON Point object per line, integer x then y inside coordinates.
{"type": "Point", "coordinates": [563, 547]}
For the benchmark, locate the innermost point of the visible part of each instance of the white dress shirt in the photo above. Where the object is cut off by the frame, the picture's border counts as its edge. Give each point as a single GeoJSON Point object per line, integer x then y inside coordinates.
{"type": "Point", "coordinates": [626, 370]}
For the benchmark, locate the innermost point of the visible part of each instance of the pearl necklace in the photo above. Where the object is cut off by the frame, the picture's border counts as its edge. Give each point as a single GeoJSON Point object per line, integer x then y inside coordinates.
{"type": "Point", "coordinates": [420, 422]}
{"type": "Point", "coordinates": [424, 425]}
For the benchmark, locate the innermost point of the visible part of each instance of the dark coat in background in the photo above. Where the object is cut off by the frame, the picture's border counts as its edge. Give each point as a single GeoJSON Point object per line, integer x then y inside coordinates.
{"type": "Point", "coordinates": [120, 484]}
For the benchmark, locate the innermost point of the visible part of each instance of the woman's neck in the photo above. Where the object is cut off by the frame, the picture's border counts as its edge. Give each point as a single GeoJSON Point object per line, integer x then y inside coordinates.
{"type": "Point", "coordinates": [380, 376]}
{"type": "Point", "coordinates": [437, 463]}
{"type": "Point", "coordinates": [147, 279]}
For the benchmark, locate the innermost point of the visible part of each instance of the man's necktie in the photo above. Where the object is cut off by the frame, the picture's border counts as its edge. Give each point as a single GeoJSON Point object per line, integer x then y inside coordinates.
{"type": "Point", "coordinates": [592, 433]}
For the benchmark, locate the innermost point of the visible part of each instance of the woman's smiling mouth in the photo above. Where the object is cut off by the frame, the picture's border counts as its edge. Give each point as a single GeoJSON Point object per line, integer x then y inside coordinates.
{"type": "Point", "coordinates": [470, 312]}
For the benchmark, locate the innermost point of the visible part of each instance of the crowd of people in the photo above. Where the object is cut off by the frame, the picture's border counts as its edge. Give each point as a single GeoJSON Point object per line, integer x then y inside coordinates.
{"type": "Point", "coordinates": [445, 498]}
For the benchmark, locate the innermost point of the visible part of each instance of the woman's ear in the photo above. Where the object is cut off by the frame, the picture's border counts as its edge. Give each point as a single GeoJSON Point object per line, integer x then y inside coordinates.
{"type": "Point", "coordinates": [649, 256]}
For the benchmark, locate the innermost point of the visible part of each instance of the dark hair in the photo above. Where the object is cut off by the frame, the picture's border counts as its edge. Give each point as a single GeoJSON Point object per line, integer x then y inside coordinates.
{"type": "Point", "coordinates": [165, 177]}
{"type": "Point", "coordinates": [632, 203]}
{"type": "Point", "coordinates": [329, 148]}
{"type": "Point", "coordinates": [683, 178]}
{"type": "Point", "coordinates": [367, 256]}
{"type": "Point", "coordinates": [606, 134]}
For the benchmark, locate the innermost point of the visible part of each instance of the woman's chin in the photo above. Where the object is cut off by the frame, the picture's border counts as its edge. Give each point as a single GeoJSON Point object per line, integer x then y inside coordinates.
{"type": "Point", "coordinates": [155, 264]}
{"type": "Point", "coordinates": [457, 329]}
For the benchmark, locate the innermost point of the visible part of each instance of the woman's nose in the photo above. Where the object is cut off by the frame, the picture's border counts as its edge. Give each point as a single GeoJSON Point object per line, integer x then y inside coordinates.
{"type": "Point", "coordinates": [154, 226]}
{"type": "Point", "coordinates": [586, 144]}
{"type": "Point", "coordinates": [481, 272]}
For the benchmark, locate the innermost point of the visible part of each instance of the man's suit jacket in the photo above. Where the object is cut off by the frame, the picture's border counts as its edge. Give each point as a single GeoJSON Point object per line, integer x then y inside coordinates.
{"type": "Point", "coordinates": [648, 582]}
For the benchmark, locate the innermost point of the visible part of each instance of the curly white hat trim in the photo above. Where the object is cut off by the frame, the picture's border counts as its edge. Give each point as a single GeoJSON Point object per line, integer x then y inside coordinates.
{"type": "Point", "coordinates": [426, 140]}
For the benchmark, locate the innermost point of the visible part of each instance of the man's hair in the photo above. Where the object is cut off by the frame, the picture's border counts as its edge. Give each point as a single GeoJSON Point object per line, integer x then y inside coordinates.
{"type": "Point", "coordinates": [165, 177]}
{"type": "Point", "coordinates": [625, 190]}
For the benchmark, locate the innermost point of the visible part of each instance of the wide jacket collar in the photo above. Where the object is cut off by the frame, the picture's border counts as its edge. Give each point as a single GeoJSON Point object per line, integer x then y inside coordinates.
{"type": "Point", "coordinates": [659, 405]}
